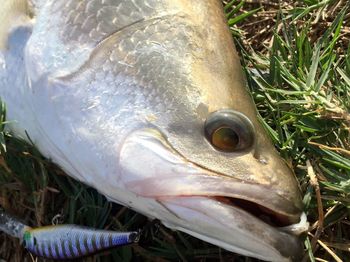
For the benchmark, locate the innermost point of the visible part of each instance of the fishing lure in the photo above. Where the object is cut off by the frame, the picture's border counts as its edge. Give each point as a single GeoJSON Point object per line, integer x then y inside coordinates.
{"type": "Point", "coordinates": [72, 241]}
{"type": "Point", "coordinates": [64, 241]}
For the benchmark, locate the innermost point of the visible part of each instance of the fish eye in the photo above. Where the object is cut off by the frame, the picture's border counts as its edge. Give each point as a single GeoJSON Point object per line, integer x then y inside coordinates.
{"type": "Point", "coordinates": [229, 131]}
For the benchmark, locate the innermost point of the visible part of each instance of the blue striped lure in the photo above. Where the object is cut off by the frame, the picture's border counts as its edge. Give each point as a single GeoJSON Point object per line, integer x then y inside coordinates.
{"type": "Point", "coordinates": [72, 241]}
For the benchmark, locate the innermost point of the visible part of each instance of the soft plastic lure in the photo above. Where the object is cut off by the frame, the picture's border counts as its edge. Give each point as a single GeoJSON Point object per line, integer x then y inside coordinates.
{"type": "Point", "coordinates": [64, 241]}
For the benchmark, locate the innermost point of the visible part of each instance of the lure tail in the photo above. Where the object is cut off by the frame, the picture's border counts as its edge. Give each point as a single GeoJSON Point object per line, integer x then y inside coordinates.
{"type": "Point", "coordinates": [12, 226]}
{"type": "Point", "coordinates": [64, 241]}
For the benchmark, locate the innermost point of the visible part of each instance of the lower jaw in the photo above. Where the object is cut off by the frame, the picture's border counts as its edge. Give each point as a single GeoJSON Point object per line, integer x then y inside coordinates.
{"type": "Point", "coordinates": [231, 228]}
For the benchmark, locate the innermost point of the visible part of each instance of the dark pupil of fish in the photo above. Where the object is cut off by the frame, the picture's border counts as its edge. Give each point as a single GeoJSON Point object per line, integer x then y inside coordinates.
{"type": "Point", "coordinates": [225, 139]}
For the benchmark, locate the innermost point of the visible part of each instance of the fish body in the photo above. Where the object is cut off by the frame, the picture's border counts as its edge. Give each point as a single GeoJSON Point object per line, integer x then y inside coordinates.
{"type": "Point", "coordinates": [146, 102]}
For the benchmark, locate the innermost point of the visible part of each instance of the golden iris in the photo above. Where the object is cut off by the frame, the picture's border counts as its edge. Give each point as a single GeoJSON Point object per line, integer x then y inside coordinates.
{"type": "Point", "coordinates": [225, 138]}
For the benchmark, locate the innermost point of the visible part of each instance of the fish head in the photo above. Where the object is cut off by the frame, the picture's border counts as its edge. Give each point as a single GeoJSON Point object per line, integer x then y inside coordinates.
{"type": "Point", "coordinates": [206, 160]}
{"type": "Point", "coordinates": [215, 174]}
{"type": "Point", "coordinates": [146, 102]}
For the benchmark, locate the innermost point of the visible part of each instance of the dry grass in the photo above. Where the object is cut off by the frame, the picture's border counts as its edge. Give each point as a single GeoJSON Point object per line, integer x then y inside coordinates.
{"type": "Point", "coordinates": [257, 31]}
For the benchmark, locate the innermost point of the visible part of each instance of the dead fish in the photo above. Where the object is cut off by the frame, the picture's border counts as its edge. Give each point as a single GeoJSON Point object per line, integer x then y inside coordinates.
{"type": "Point", "coordinates": [64, 241]}
{"type": "Point", "coordinates": [146, 102]}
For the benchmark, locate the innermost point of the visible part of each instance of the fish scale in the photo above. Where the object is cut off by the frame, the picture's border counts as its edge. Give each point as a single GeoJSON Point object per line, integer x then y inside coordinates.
{"type": "Point", "coordinates": [92, 19]}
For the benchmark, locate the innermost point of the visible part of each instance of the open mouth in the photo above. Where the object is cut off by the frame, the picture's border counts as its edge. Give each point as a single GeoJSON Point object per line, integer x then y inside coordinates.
{"type": "Point", "coordinates": [238, 225]}
{"type": "Point", "coordinates": [262, 213]}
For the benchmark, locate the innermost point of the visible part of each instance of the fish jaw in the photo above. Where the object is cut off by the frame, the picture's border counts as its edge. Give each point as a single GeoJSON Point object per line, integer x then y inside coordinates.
{"type": "Point", "coordinates": [233, 229]}
{"type": "Point", "coordinates": [206, 204]}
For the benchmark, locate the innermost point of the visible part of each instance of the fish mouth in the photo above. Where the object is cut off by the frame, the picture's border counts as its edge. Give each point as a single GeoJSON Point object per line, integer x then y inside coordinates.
{"type": "Point", "coordinates": [272, 218]}
{"type": "Point", "coordinates": [261, 212]}
{"type": "Point", "coordinates": [258, 231]}
{"type": "Point", "coordinates": [258, 201]}
{"type": "Point", "coordinates": [291, 223]}
{"type": "Point", "coordinates": [248, 219]}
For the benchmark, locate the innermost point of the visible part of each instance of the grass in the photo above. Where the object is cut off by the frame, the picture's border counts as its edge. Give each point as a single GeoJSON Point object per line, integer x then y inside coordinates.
{"type": "Point", "coordinates": [297, 62]}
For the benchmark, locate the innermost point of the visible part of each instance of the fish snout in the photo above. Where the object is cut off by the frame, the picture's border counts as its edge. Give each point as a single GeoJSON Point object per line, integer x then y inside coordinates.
{"type": "Point", "coordinates": [259, 220]}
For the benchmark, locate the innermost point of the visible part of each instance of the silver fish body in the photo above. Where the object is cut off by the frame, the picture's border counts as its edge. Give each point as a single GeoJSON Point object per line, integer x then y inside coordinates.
{"type": "Point", "coordinates": [146, 102]}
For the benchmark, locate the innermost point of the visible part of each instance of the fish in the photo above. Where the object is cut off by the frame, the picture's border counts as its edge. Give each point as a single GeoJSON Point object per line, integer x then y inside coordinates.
{"type": "Point", "coordinates": [146, 102]}
{"type": "Point", "coordinates": [61, 242]}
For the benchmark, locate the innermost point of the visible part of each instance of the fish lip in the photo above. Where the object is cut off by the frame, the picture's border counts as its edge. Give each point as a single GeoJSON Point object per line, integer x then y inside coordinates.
{"type": "Point", "coordinates": [274, 218]}
{"type": "Point", "coordinates": [216, 187]}
{"type": "Point", "coordinates": [297, 228]}
{"type": "Point", "coordinates": [282, 240]}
